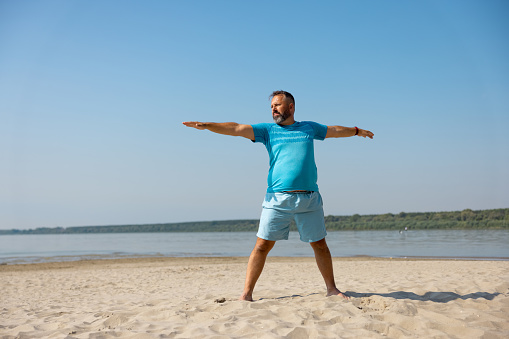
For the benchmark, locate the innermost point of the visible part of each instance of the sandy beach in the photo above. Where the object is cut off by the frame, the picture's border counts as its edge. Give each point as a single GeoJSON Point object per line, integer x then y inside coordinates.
{"type": "Point", "coordinates": [197, 298]}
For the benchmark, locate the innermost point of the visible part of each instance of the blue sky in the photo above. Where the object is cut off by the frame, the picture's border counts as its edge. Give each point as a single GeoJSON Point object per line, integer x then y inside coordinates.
{"type": "Point", "coordinates": [93, 93]}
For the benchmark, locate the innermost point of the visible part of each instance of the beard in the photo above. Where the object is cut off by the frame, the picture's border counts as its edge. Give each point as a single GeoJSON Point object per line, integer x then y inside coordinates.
{"type": "Point", "coordinates": [278, 119]}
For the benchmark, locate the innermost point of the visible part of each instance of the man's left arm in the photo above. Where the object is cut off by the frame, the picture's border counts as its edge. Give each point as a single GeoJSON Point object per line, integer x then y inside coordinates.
{"type": "Point", "coordinates": [343, 132]}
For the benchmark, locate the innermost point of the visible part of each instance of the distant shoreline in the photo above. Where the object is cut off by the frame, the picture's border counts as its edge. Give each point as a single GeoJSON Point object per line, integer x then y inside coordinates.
{"type": "Point", "coordinates": [460, 220]}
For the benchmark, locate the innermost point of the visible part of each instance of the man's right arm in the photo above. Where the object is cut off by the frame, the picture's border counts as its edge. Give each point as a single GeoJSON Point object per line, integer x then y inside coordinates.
{"type": "Point", "coordinates": [226, 128]}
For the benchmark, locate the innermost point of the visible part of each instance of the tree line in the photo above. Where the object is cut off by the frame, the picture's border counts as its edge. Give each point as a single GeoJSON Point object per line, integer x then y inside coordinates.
{"type": "Point", "coordinates": [466, 219]}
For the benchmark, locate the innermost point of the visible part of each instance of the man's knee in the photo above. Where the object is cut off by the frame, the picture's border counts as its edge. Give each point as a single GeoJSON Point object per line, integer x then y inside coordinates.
{"type": "Point", "coordinates": [264, 246]}
{"type": "Point", "coordinates": [320, 245]}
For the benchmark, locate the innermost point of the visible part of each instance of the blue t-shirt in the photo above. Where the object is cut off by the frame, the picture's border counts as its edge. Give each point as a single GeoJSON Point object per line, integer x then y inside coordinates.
{"type": "Point", "coordinates": [291, 154]}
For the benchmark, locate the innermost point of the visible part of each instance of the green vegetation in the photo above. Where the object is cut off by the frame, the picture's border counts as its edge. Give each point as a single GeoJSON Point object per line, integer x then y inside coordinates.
{"type": "Point", "coordinates": [466, 219]}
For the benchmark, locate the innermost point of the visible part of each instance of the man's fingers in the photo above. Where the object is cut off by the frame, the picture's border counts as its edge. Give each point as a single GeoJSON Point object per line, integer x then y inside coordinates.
{"type": "Point", "coordinates": [194, 124]}
{"type": "Point", "coordinates": [367, 134]}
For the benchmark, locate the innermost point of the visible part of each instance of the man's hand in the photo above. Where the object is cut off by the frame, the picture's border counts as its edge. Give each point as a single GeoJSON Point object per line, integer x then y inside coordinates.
{"type": "Point", "coordinates": [195, 124]}
{"type": "Point", "coordinates": [364, 133]}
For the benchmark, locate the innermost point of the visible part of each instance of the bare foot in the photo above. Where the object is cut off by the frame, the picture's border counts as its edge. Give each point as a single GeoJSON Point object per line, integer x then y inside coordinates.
{"type": "Point", "coordinates": [246, 297]}
{"type": "Point", "coordinates": [337, 292]}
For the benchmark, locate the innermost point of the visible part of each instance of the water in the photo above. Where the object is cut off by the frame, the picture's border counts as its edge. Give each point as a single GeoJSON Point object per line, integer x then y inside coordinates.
{"type": "Point", "coordinates": [478, 244]}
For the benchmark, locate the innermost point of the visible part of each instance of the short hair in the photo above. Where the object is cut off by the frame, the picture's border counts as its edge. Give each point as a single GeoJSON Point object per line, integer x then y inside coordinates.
{"type": "Point", "coordinates": [286, 94]}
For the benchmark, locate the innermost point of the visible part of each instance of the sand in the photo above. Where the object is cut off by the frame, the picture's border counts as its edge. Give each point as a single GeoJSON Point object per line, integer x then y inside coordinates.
{"type": "Point", "coordinates": [197, 298]}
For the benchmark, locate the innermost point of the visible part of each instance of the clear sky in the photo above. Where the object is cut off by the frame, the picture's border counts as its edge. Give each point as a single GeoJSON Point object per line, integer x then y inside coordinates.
{"type": "Point", "coordinates": [93, 95]}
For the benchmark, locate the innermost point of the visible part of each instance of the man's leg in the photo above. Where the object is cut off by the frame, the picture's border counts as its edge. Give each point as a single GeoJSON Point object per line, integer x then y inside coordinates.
{"type": "Point", "coordinates": [255, 266]}
{"type": "Point", "coordinates": [324, 262]}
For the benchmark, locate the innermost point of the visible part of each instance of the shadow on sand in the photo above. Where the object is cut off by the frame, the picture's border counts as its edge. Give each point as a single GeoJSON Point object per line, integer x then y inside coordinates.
{"type": "Point", "coordinates": [438, 297]}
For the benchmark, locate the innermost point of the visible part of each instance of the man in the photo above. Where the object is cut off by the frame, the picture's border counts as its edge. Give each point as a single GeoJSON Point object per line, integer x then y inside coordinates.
{"type": "Point", "coordinates": [292, 192]}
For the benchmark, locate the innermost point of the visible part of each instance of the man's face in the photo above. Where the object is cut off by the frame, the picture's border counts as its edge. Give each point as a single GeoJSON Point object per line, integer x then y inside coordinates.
{"type": "Point", "coordinates": [281, 109]}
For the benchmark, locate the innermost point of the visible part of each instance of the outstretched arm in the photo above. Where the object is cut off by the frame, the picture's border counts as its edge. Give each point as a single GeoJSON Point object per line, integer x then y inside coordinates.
{"type": "Point", "coordinates": [226, 128]}
{"type": "Point", "coordinates": [342, 132]}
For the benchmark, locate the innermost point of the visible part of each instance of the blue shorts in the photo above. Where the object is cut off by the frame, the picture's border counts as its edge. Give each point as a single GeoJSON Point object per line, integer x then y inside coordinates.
{"type": "Point", "coordinates": [279, 209]}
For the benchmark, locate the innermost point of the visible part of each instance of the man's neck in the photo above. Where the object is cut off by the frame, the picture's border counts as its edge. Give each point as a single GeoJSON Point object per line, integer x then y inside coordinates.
{"type": "Point", "coordinates": [287, 122]}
